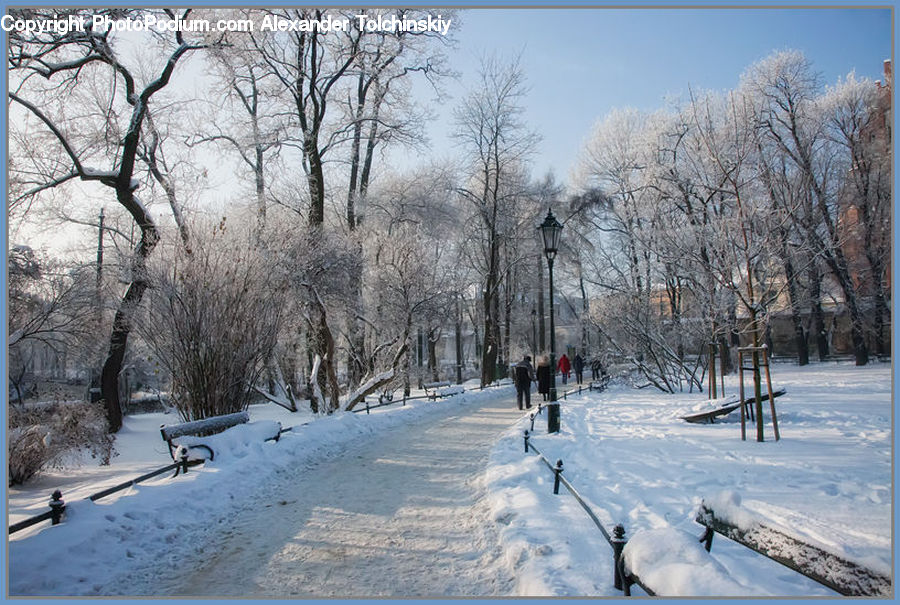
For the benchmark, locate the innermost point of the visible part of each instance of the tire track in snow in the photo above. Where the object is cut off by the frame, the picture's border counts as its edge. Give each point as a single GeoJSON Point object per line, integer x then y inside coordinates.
{"type": "Point", "coordinates": [402, 514]}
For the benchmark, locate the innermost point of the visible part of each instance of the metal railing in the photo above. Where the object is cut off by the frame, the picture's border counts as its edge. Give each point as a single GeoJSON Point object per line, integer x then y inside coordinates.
{"type": "Point", "coordinates": [383, 402]}
{"type": "Point", "coordinates": [58, 505]}
{"type": "Point", "coordinates": [621, 580]}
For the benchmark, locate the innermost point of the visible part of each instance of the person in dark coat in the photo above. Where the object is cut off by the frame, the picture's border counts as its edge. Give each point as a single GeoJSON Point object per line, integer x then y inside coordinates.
{"type": "Point", "coordinates": [524, 373]}
{"type": "Point", "coordinates": [578, 368]}
{"type": "Point", "coordinates": [543, 376]}
{"type": "Point", "coordinates": [564, 367]}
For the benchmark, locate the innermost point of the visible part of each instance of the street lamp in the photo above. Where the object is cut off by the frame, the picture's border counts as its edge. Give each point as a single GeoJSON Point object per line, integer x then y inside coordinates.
{"type": "Point", "coordinates": [550, 231]}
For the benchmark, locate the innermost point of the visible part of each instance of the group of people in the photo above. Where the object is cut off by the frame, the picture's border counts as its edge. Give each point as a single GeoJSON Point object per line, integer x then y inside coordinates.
{"type": "Point", "coordinates": [524, 374]}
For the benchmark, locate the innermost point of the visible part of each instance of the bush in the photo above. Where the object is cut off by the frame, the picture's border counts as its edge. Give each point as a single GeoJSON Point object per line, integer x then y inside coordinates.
{"type": "Point", "coordinates": [48, 435]}
{"type": "Point", "coordinates": [212, 319]}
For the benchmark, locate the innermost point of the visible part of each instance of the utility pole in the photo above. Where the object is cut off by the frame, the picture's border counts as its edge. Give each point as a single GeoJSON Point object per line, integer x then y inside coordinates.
{"type": "Point", "coordinates": [100, 256]}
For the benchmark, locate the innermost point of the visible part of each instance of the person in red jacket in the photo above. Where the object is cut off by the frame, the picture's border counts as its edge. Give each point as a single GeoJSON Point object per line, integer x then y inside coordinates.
{"type": "Point", "coordinates": [564, 367]}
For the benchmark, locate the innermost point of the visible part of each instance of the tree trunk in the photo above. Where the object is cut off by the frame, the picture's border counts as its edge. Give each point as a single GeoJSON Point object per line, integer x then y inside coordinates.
{"type": "Point", "coordinates": [817, 314]}
{"type": "Point", "coordinates": [433, 335]}
{"type": "Point", "coordinates": [459, 345]}
{"type": "Point", "coordinates": [796, 319]}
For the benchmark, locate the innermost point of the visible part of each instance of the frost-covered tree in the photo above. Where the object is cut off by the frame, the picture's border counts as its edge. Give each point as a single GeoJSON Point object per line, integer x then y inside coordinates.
{"type": "Point", "coordinates": [95, 144]}
{"type": "Point", "coordinates": [412, 265]}
{"type": "Point", "coordinates": [855, 125]}
{"type": "Point", "coordinates": [496, 143]}
{"type": "Point", "coordinates": [213, 317]}
{"type": "Point", "coordinates": [785, 87]}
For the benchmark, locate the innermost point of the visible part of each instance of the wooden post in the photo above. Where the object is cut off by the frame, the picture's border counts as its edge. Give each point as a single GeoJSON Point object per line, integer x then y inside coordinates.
{"type": "Point", "coordinates": [757, 395]}
{"type": "Point", "coordinates": [743, 411]}
{"type": "Point", "coordinates": [771, 394]}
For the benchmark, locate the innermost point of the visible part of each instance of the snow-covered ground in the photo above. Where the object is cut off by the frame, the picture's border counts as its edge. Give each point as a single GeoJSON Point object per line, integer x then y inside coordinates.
{"type": "Point", "coordinates": [627, 452]}
{"type": "Point", "coordinates": [160, 524]}
{"type": "Point", "coordinates": [631, 457]}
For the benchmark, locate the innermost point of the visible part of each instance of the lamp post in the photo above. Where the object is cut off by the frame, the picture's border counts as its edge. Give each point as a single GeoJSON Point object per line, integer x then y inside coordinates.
{"type": "Point", "coordinates": [550, 231]}
{"type": "Point", "coordinates": [534, 335]}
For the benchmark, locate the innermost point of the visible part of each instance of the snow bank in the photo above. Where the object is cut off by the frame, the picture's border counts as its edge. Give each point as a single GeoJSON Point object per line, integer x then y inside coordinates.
{"type": "Point", "coordinates": [637, 463]}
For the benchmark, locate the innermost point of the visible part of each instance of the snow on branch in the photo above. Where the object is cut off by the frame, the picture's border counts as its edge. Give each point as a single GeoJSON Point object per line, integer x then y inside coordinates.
{"type": "Point", "coordinates": [377, 381]}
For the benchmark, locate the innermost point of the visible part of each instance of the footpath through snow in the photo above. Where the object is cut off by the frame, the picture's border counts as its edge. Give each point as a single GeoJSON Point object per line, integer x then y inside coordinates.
{"type": "Point", "coordinates": [387, 504]}
{"type": "Point", "coordinates": [400, 515]}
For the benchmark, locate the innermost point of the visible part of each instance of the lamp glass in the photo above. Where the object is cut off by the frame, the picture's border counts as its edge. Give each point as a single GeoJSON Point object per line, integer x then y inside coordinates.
{"type": "Point", "coordinates": [550, 231]}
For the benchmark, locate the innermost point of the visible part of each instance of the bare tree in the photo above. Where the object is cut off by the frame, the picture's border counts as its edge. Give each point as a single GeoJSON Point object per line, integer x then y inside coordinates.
{"type": "Point", "coordinates": [787, 86]}
{"type": "Point", "coordinates": [213, 318]}
{"type": "Point", "coordinates": [854, 112]}
{"type": "Point", "coordinates": [496, 142]}
{"type": "Point", "coordinates": [44, 68]}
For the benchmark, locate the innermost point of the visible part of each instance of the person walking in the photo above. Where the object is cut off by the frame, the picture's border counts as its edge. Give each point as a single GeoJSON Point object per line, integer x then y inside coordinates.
{"type": "Point", "coordinates": [524, 373]}
{"type": "Point", "coordinates": [578, 368]}
{"type": "Point", "coordinates": [564, 367]}
{"type": "Point", "coordinates": [543, 376]}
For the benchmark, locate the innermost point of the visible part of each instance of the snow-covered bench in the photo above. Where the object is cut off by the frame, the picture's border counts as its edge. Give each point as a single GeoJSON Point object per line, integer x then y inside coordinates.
{"type": "Point", "coordinates": [725, 515]}
{"type": "Point", "coordinates": [450, 391]}
{"type": "Point", "coordinates": [673, 563]}
{"type": "Point", "coordinates": [199, 433]}
{"type": "Point", "coordinates": [599, 385]}
{"type": "Point", "coordinates": [431, 388]}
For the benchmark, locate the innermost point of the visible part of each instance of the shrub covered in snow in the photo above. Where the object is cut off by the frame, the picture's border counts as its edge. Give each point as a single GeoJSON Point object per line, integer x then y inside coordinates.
{"type": "Point", "coordinates": [213, 318]}
{"type": "Point", "coordinates": [46, 435]}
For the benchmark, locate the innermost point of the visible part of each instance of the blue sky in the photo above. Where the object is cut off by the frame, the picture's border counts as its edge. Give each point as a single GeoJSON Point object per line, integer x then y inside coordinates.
{"type": "Point", "coordinates": [583, 62]}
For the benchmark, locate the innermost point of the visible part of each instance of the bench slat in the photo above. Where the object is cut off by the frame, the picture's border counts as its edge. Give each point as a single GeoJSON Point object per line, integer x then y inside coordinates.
{"type": "Point", "coordinates": [216, 424]}
{"type": "Point", "coordinates": [843, 576]}
{"type": "Point", "coordinates": [436, 385]}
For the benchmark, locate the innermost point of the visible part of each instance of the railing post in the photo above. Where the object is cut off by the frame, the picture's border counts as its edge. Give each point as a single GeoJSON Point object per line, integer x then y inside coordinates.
{"type": "Point", "coordinates": [367, 405]}
{"type": "Point", "coordinates": [526, 442]}
{"type": "Point", "coordinates": [707, 538]}
{"type": "Point", "coordinates": [57, 507]}
{"type": "Point", "coordinates": [532, 421]}
{"type": "Point", "coordinates": [184, 461]}
{"type": "Point", "coordinates": [618, 542]}
{"type": "Point", "coordinates": [556, 472]}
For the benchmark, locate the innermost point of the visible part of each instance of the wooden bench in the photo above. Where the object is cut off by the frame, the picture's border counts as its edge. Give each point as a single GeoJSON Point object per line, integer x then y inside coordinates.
{"type": "Point", "coordinates": [599, 385]}
{"type": "Point", "coordinates": [839, 574]}
{"type": "Point", "coordinates": [201, 428]}
{"type": "Point", "coordinates": [431, 388]}
{"type": "Point", "coordinates": [709, 416]}
{"type": "Point", "coordinates": [672, 563]}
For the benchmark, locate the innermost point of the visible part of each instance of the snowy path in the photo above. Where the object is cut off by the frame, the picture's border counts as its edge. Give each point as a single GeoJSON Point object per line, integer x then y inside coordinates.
{"type": "Point", "coordinates": [401, 515]}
